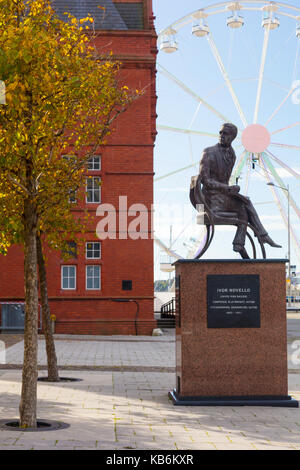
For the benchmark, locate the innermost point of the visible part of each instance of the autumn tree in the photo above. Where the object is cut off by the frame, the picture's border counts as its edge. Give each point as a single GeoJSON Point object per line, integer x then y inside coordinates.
{"type": "Point", "coordinates": [61, 98]}
{"type": "Point", "coordinates": [57, 226]}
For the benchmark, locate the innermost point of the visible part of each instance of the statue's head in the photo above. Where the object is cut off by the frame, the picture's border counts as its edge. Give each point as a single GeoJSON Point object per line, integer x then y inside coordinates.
{"type": "Point", "coordinates": [228, 133]}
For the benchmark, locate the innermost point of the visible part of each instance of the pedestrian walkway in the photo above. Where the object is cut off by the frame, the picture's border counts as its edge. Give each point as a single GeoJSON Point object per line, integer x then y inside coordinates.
{"type": "Point", "coordinates": [131, 410]}
{"type": "Point", "coordinates": [103, 351]}
{"type": "Point", "coordinates": [126, 406]}
{"type": "Point", "coordinates": [127, 352]}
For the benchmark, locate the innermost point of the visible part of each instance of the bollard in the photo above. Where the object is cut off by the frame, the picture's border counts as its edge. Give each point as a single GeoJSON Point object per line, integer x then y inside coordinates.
{"type": "Point", "coordinates": [53, 318]}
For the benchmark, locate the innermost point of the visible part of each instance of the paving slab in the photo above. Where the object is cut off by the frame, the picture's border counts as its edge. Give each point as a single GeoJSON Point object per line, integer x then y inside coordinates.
{"type": "Point", "coordinates": [103, 414]}
{"type": "Point", "coordinates": [126, 406]}
{"type": "Point", "coordinates": [99, 351]}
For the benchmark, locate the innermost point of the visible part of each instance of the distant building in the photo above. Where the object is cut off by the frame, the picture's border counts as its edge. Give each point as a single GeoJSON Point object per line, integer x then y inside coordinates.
{"type": "Point", "coordinates": [107, 289]}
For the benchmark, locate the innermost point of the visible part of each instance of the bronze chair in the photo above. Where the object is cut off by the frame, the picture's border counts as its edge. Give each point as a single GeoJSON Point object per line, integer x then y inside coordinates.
{"type": "Point", "coordinates": [211, 219]}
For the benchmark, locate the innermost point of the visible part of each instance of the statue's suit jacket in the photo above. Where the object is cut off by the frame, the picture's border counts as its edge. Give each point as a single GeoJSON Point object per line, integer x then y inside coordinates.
{"type": "Point", "coordinates": [215, 170]}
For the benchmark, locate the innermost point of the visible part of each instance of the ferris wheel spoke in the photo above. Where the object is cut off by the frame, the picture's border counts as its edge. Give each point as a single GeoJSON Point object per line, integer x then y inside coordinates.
{"type": "Point", "coordinates": [195, 115]}
{"type": "Point", "coordinates": [191, 148]}
{"type": "Point", "coordinates": [176, 171]}
{"type": "Point", "coordinates": [280, 206]}
{"type": "Point", "coordinates": [278, 85]}
{"type": "Point", "coordinates": [285, 146]}
{"type": "Point", "coordinates": [190, 127]}
{"type": "Point", "coordinates": [268, 165]}
{"type": "Point", "coordinates": [284, 165]}
{"type": "Point", "coordinates": [280, 106]}
{"type": "Point", "coordinates": [295, 124]}
{"type": "Point", "coordinates": [239, 166]}
{"type": "Point", "coordinates": [261, 73]}
{"type": "Point", "coordinates": [185, 131]}
{"type": "Point", "coordinates": [166, 249]}
{"type": "Point", "coordinates": [182, 231]}
{"type": "Point", "coordinates": [247, 180]}
{"type": "Point", "coordinates": [273, 190]}
{"type": "Point", "coordinates": [190, 92]}
{"type": "Point", "coordinates": [224, 73]}
{"type": "Point", "coordinates": [281, 183]}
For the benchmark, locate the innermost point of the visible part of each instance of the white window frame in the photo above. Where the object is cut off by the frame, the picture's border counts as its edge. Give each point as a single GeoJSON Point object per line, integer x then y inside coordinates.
{"type": "Point", "coordinates": [86, 276]}
{"type": "Point", "coordinates": [93, 250]}
{"type": "Point", "coordinates": [94, 161]}
{"type": "Point", "coordinates": [62, 277]}
{"type": "Point", "coordinates": [95, 187]}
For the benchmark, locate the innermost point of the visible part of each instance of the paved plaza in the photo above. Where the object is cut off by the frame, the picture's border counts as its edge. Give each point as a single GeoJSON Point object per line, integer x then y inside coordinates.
{"type": "Point", "coordinates": [121, 401]}
{"type": "Point", "coordinates": [98, 351]}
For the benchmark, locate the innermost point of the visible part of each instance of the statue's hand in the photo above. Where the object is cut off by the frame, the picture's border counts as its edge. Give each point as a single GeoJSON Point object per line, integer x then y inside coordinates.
{"type": "Point", "coordinates": [234, 189]}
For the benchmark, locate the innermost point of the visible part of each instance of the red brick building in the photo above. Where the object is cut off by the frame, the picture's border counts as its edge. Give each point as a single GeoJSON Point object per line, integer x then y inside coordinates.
{"type": "Point", "coordinates": [107, 287]}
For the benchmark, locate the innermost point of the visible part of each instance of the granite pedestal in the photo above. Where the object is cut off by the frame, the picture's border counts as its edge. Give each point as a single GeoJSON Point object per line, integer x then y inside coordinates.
{"type": "Point", "coordinates": [231, 333]}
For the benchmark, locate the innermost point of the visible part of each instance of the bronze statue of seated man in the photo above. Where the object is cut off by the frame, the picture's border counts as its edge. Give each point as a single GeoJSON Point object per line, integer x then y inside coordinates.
{"type": "Point", "coordinates": [215, 170]}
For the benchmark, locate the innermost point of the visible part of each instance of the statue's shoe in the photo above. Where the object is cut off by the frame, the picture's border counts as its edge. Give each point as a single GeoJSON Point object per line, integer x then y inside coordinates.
{"type": "Point", "coordinates": [241, 250]}
{"type": "Point", "coordinates": [269, 241]}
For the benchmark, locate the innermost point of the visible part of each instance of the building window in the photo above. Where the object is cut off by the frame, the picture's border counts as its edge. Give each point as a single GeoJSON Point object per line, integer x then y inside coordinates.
{"type": "Point", "coordinates": [127, 285]}
{"type": "Point", "coordinates": [93, 277]}
{"type": "Point", "coordinates": [94, 163]}
{"type": "Point", "coordinates": [70, 250]}
{"type": "Point", "coordinates": [68, 277]}
{"type": "Point", "coordinates": [93, 190]}
{"type": "Point", "coordinates": [93, 250]}
{"type": "Point", "coordinates": [72, 196]}
{"type": "Point", "coordinates": [70, 158]}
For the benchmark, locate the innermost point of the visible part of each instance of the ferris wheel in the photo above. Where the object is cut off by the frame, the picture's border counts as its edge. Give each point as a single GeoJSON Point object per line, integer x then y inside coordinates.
{"type": "Point", "coordinates": [238, 62]}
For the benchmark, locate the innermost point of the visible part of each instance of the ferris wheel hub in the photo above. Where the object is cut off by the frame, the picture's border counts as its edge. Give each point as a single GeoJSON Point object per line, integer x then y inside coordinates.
{"type": "Point", "coordinates": [256, 138]}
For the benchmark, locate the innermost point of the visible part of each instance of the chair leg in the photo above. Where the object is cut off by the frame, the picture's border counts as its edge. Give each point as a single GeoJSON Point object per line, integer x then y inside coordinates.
{"type": "Point", "coordinates": [252, 244]}
{"type": "Point", "coordinates": [262, 246]}
{"type": "Point", "coordinates": [210, 231]}
{"type": "Point", "coordinates": [209, 237]}
{"type": "Point", "coordinates": [263, 250]}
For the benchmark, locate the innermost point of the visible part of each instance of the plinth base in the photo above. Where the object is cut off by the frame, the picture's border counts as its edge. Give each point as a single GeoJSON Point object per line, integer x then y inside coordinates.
{"type": "Point", "coordinates": [276, 401]}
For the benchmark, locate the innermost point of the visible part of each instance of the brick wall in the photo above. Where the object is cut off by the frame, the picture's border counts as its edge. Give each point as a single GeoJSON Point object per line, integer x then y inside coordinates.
{"type": "Point", "coordinates": [127, 170]}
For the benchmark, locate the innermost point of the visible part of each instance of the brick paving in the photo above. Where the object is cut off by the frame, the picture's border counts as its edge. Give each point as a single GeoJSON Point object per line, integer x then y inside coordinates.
{"type": "Point", "coordinates": [129, 408]}
{"type": "Point", "coordinates": [97, 351]}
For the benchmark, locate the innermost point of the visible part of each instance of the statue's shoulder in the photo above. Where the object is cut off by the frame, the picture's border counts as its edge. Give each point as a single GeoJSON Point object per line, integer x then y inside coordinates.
{"type": "Point", "coordinates": [211, 151]}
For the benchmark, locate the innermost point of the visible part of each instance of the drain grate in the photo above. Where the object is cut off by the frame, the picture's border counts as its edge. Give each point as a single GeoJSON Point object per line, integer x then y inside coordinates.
{"type": "Point", "coordinates": [42, 425]}
{"type": "Point", "coordinates": [61, 379]}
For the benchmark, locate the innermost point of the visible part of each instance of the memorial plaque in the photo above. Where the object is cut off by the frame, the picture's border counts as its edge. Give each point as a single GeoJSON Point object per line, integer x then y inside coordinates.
{"type": "Point", "coordinates": [233, 301]}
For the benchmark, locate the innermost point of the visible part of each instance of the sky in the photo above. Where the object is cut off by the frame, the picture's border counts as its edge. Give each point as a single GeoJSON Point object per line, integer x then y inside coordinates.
{"type": "Point", "coordinates": [196, 70]}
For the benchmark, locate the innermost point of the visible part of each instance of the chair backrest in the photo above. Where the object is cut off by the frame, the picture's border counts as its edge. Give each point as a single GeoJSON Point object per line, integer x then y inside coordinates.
{"type": "Point", "coordinates": [197, 197]}
{"type": "Point", "coordinates": [196, 194]}
{"type": "Point", "coordinates": [192, 190]}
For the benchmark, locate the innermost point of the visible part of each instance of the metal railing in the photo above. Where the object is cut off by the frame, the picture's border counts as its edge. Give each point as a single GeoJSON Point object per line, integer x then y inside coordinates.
{"type": "Point", "coordinates": [168, 309]}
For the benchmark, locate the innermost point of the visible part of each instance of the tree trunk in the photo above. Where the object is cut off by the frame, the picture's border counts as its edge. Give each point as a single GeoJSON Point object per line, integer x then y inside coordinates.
{"type": "Point", "coordinates": [29, 376]}
{"type": "Point", "coordinates": [53, 375]}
